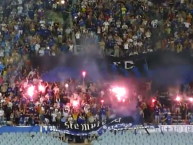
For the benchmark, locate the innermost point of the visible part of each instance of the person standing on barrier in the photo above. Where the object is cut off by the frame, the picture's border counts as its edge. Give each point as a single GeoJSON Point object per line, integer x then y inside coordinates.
{"type": "Point", "coordinates": [103, 113]}
{"type": "Point", "coordinates": [16, 116]}
{"type": "Point", "coordinates": [141, 115]}
{"type": "Point", "coordinates": [169, 118]}
{"type": "Point", "coordinates": [54, 115]}
{"type": "Point", "coordinates": [1, 116]}
{"type": "Point", "coordinates": [157, 115]}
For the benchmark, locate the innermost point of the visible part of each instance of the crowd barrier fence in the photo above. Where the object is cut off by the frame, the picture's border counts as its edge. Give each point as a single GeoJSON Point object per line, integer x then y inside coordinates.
{"type": "Point", "coordinates": [138, 129]}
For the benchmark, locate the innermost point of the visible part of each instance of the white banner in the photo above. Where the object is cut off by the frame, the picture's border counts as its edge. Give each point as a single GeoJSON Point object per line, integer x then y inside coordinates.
{"type": "Point", "coordinates": [140, 129]}
{"type": "Point", "coordinates": [170, 128]}
{"type": "Point", "coordinates": [176, 128]}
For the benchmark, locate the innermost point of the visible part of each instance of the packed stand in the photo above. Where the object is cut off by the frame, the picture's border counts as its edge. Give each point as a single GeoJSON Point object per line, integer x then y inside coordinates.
{"type": "Point", "coordinates": [33, 101]}
{"type": "Point", "coordinates": [28, 100]}
{"type": "Point", "coordinates": [26, 32]}
{"type": "Point", "coordinates": [130, 27]}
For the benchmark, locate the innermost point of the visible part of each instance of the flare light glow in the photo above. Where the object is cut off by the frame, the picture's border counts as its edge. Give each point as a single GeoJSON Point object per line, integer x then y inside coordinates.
{"type": "Point", "coordinates": [120, 93]}
{"type": "Point", "coordinates": [30, 91]}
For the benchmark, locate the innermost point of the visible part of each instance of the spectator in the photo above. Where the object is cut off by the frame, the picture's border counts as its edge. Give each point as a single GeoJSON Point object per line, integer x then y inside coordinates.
{"type": "Point", "coordinates": [183, 111]}
{"type": "Point", "coordinates": [169, 118]}
{"type": "Point", "coordinates": [1, 116]}
{"type": "Point", "coordinates": [157, 115]}
{"type": "Point", "coordinates": [191, 119]}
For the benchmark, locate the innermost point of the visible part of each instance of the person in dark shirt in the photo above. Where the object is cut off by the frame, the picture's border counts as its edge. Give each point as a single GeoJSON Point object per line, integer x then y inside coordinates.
{"type": "Point", "coordinates": [17, 116]}
{"type": "Point", "coordinates": [103, 113]}
{"type": "Point", "coordinates": [8, 111]}
{"type": "Point", "coordinates": [9, 90]}
{"type": "Point", "coordinates": [31, 120]}
{"type": "Point", "coordinates": [81, 119]}
{"type": "Point", "coordinates": [183, 111]}
{"type": "Point", "coordinates": [65, 100]}
{"type": "Point", "coordinates": [157, 115]}
{"type": "Point", "coordinates": [56, 25]}
{"type": "Point", "coordinates": [31, 107]}
{"type": "Point", "coordinates": [169, 118]}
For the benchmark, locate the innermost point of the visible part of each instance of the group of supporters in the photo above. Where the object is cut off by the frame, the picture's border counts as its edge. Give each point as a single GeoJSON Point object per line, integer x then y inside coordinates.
{"type": "Point", "coordinates": [36, 102]}
{"type": "Point", "coordinates": [25, 31]}
{"type": "Point", "coordinates": [128, 27]}
{"type": "Point", "coordinates": [32, 101]}
{"type": "Point", "coordinates": [173, 108]}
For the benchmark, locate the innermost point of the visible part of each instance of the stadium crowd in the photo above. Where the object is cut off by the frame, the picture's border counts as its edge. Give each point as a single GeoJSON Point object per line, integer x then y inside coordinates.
{"type": "Point", "coordinates": [31, 101]}
{"type": "Point", "coordinates": [25, 32]}
{"type": "Point", "coordinates": [129, 27]}
{"type": "Point", "coordinates": [117, 27]}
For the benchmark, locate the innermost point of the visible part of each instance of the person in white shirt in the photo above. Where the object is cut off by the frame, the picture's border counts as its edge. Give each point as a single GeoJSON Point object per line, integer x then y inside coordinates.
{"type": "Point", "coordinates": [154, 23]}
{"type": "Point", "coordinates": [135, 43]}
{"type": "Point", "coordinates": [144, 22]}
{"type": "Point", "coordinates": [77, 36]}
{"type": "Point", "coordinates": [70, 119]}
{"type": "Point", "coordinates": [126, 45]}
{"type": "Point", "coordinates": [54, 115]}
{"type": "Point", "coordinates": [53, 53]}
{"type": "Point", "coordinates": [60, 32]}
{"type": "Point", "coordinates": [140, 44]}
{"type": "Point", "coordinates": [148, 34]}
{"type": "Point", "coordinates": [4, 26]}
{"type": "Point", "coordinates": [16, 27]}
{"type": "Point", "coordinates": [19, 10]}
{"type": "Point", "coordinates": [129, 40]}
{"type": "Point", "coordinates": [20, 2]}
{"type": "Point", "coordinates": [124, 27]}
{"type": "Point", "coordinates": [54, 6]}
{"type": "Point", "coordinates": [71, 47]}
{"type": "Point", "coordinates": [106, 25]}
{"type": "Point", "coordinates": [91, 119]}
{"type": "Point", "coordinates": [65, 114]}
{"type": "Point", "coordinates": [1, 116]}
{"type": "Point", "coordinates": [187, 25]}
{"type": "Point", "coordinates": [181, 1]}
{"type": "Point", "coordinates": [150, 50]}
{"type": "Point", "coordinates": [110, 19]}
{"type": "Point", "coordinates": [42, 22]}
{"type": "Point", "coordinates": [2, 52]}
{"type": "Point", "coordinates": [141, 30]}
{"type": "Point", "coordinates": [118, 24]}
{"type": "Point", "coordinates": [37, 47]}
{"type": "Point", "coordinates": [86, 108]}
{"type": "Point", "coordinates": [68, 31]}
{"type": "Point", "coordinates": [98, 30]}
{"type": "Point", "coordinates": [27, 6]}
{"type": "Point", "coordinates": [41, 52]}
{"type": "Point", "coordinates": [134, 37]}
{"type": "Point", "coordinates": [31, 73]}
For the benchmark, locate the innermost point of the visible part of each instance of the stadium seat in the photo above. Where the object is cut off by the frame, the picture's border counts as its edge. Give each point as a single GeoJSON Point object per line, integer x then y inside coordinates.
{"type": "Point", "coordinates": [29, 139]}
{"type": "Point", "coordinates": [122, 138]}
